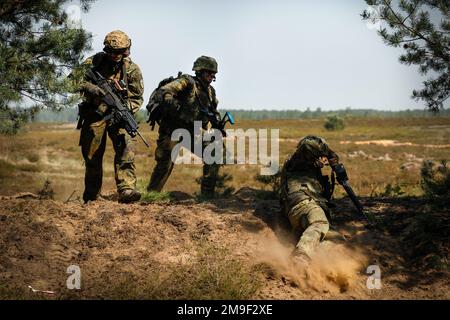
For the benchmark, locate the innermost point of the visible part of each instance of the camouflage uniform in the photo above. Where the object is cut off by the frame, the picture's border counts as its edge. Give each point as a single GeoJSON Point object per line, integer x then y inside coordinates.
{"type": "Point", "coordinates": [305, 192]}
{"type": "Point", "coordinates": [95, 128]}
{"type": "Point", "coordinates": [191, 94]}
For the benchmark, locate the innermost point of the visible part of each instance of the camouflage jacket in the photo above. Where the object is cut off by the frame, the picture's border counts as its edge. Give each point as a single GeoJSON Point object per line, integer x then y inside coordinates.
{"type": "Point", "coordinates": [302, 171]}
{"type": "Point", "coordinates": [192, 96]}
{"type": "Point", "coordinates": [135, 87]}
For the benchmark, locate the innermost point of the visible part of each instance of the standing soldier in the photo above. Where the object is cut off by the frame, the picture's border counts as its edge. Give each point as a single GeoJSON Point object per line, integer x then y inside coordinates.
{"type": "Point", "coordinates": [305, 193]}
{"type": "Point", "coordinates": [115, 65]}
{"type": "Point", "coordinates": [185, 98]}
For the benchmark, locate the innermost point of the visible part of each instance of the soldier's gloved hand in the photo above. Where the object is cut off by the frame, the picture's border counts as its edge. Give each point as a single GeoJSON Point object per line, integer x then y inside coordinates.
{"type": "Point", "coordinates": [171, 102]}
{"type": "Point", "coordinates": [333, 162]}
{"type": "Point", "coordinates": [92, 89]}
{"type": "Point", "coordinates": [218, 118]}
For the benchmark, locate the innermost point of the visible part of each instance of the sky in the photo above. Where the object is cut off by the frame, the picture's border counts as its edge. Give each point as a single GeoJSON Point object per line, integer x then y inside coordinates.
{"type": "Point", "coordinates": [285, 54]}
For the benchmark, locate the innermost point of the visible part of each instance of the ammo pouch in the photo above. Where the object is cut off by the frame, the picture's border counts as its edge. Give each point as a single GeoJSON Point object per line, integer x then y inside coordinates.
{"type": "Point", "coordinates": [88, 111]}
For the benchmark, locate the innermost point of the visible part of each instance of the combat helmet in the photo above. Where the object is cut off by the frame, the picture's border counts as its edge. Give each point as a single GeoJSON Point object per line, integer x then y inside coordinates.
{"type": "Point", "coordinates": [205, 63]}
{"type": "Point", "coordinates": [312, 144]}
{"type": "Point", "coordinates": [116, 41]}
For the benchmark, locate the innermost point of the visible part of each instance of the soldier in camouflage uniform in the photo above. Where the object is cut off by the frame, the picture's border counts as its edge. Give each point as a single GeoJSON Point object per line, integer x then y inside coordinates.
{"type": "Point", "coordinates": [114, 64]}
{"type": "Point", "coordinates": [305, 193]}
{"type": "Point", "coordinates": [185, 97]}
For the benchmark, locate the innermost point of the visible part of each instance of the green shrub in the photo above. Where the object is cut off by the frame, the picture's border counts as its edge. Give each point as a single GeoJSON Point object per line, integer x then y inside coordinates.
{"type": "Point", "coordinates": [272, 182]}
{"type": "Point", "coordinates": [11, 120]}
{"type": "Point", "coordinates": [154, 196]}
{"type": "Point", "coordinates": [221, 189]}
{"type": "Point", "coordinates": [428, 234]}
{"type": "Point", "coordinates": [436, 180]}
{"type": "Point", "coordinates": [33, 157]}
{"type": "Point", "coordinates": [392, 191]}
{"type": "Point", "coordinates": [334, 123]}
{"type": "Point", "coordinates": [47, 191]}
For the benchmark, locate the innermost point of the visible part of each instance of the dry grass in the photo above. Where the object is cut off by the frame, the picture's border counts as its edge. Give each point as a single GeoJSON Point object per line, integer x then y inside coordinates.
{"type": "Point", "coordinates": [212, 274]}
{"type": "Point", "coordinates": [51, 152]}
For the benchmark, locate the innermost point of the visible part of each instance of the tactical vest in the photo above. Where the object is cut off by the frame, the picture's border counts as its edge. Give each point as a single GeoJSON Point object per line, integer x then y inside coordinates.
{"type": "Point", "coordinates": [191, 102]}
{"type": "Point", "coordinates": [119, 73]}
{"type": "Point", "coordinates": [87, 108]}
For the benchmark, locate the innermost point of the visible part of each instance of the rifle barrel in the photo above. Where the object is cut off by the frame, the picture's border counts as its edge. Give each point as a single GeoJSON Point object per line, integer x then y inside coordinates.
{"type": "Point", "coordinates": [143, 139]}
{"type": "Point", "coordinates": [352, 196]}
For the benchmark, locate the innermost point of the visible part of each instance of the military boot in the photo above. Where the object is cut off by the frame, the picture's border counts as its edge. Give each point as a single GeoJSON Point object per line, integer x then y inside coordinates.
{"type": "Point", "coordinates": [129, 195]}
{"type": "Point", "coordinates": [90, 197]}
{"type": "Point", "coordinates": [159, 176]}
{"type": "Point", "coordinates": [300, 258]}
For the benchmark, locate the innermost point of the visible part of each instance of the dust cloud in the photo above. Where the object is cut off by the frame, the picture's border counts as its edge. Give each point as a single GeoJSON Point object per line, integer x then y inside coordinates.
{"type": "Point", "coordinates": [333, 267]}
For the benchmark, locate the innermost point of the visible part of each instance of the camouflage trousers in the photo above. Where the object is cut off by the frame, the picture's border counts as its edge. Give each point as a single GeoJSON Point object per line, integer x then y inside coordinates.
{"type": "Point", "coordinates": [306, 214]}
{"type": "Point", "coordinates": [93, 144]}
{"type": "Point", "coordinates": [164, 166]}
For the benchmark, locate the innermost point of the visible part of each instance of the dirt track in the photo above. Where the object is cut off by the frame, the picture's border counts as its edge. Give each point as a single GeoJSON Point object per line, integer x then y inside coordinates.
{"type": "Point", "coordinates": [39, 239]}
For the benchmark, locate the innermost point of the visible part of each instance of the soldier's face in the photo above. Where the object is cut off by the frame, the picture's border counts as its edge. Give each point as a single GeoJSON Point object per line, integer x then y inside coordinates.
{"type": "Point", "coordinates": [116, 57]}
{"type": "Point", "coordinates": [208, 76]}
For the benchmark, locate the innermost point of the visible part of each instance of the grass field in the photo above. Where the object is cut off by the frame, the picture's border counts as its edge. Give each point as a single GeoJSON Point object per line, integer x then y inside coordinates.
{"type": "Point", "coordinates": [51, 152]}
{"type": "Point", "coordinates": [235, 248]}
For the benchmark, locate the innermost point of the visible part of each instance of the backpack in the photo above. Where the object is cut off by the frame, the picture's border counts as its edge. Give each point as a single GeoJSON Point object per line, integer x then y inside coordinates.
{"type": "Point", "coordinates": [155, 106]}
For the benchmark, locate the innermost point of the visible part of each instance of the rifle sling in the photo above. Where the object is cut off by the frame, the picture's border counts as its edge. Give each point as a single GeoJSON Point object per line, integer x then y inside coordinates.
{"type": "Point", "coordinates": [197, 97]}
{"type": "Point", "coordinates": [124, 76]}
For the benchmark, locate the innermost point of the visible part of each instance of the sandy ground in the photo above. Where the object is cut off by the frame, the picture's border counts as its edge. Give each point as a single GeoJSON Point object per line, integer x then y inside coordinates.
{"type": "Point", "coordinates": [40, 239]}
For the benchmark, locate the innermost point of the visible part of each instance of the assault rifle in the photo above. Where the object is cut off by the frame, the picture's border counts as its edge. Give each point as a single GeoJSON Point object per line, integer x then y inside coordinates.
{"type": "Point", "coordinates": [217, 123]}
{"type": "Point", "coordinates": [342, 178]}
{"type": "Point", "coordinates": [121, 114]}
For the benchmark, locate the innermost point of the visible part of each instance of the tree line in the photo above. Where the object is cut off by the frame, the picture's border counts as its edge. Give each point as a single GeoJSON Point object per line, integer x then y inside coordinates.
{"type": "Point", "coordinates": [40, 45]}
{"type": "Point", "coordinates": [70, 114]}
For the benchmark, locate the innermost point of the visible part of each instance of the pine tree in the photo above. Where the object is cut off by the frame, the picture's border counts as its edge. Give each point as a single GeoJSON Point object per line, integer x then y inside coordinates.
{"type": "Point", "coordinates": [422, 28]}
{"type": "Point", "coordinates": [39, 45]}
